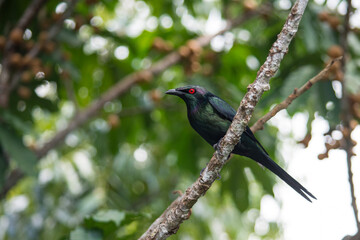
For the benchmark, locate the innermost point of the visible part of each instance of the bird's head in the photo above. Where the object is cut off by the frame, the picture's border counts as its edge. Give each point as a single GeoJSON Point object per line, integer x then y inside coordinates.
{"type": "Point", "coordinates": [190, 94]}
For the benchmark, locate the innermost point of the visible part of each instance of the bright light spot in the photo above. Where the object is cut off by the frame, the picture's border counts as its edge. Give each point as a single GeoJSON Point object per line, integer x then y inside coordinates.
{"type": "Point", "coordinates": [146, 63]}
{"type": "Point", "coordinates": [284, 4]}
{"type": "Point", "coordinates": [61, 7]}
{"type": "Point", "coordinates": [269, 209]}
{"type": "Point", "coordinates": [298, 123]}
{"type": "Point", "coordinates": [84, 165]}
{"type": "Point", "coordinates": [136, 27]}
{"type": "Point", "coordinates": [100, 125]}
{"type": "Point", "coordinates": [112, 25]}
{"type": "Point", "coordinates": [17, 204]}
{"type": "Point", "coordinates": [72, 179]}
{"type": "Point", "coordinates": [166, 21]}
{"type": "Point", "coordinates": [121, 52]}
{"type": "Point", "coordinates": [218, 43]}
{"type": "Point", "coordinates": [336, 135]}
{"type": "Point", "coordinates": [252, 62]}
{"type": "Point", "coordinates": [355, 17]}
{"type": "Point", "coordinates": [244, 35]}
{"type": "Point", "coordinates": [229, 40]}
{"type": "Point", "coordinates": [189, 22]}
{"type": "Point", "coordinates": [27, 34]}
{"type": "Point", "coordinates": [68, 109]}
{"type": "Point", "coordinates": [168, 75]}
{"type": "Point", "coordinates": [40, 75]}
{"type": "Point", "coordinates": [97, 43]}
{"type": "Point", "coordinates": [261, 226]}
{"type": "Point", "coordinates": [330, 105]}
{"type": "Point", "coordinates": [69, 23]}
{"type": "Point", "coordinates": [151, 23]}
{"type": "Point", "coordinates": [46, 90]}
{"type": "Point", "coordinates": [140, 155]}
{"type": "Point", "coordinates": [72, 140]}
{"type": "Point", "coordinates": [342, 8]}
{"type": "Point", "coordinates": [332, 4]}
{"type": "Point", "coordinates": [213, 23]}
{"type": "Point", "coordinates": [282, 121]}
{"type": "Point", "coordinates": [337, 88]}
{"type": "Point", "coordinates": [142, 8]}
{"type": "Point", "coordinates": [319, 2]}
{"type": "Point", "coordinates": [96, 21]}
{"type": "Point", "coordinates": [45, 176]}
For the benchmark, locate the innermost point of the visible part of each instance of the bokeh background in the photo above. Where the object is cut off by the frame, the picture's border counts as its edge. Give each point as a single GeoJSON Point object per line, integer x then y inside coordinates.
{"type": "Point", "coordinates": [113, 175]}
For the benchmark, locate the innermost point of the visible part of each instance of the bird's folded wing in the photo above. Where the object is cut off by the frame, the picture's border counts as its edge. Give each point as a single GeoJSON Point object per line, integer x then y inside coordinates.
{"type": "Point", "coordinates": [227, 112]}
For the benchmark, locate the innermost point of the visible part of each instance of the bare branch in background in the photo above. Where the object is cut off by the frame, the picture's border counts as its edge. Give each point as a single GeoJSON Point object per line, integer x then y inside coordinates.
{"type": "Point", "coordinates": [169, 222]}
{"type": "Point", "coordinates": [346, 117]}
{"type": "Point", "coordinates": [297, 92]}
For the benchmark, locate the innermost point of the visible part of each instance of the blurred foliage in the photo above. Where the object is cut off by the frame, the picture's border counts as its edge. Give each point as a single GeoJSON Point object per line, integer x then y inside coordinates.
{"type": "Point", "coordinates": [113, 176]}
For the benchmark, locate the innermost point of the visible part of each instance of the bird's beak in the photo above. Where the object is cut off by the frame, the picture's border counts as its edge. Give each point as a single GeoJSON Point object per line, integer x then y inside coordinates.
{"type": "Point", "coordinates": [173, 92]}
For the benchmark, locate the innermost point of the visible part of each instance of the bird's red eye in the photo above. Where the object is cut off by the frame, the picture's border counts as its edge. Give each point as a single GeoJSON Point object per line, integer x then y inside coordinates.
{"type": "Point", "coordinates": [191, 91]}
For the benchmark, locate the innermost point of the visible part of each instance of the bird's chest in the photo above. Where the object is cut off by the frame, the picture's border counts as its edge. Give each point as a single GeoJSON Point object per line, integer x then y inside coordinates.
{"type": "Point", "coordinates": [208, 124]}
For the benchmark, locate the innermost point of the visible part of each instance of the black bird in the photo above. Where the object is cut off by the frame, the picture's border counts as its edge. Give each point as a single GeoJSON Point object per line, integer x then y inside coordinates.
{"type": "Point", "coordinates": [211, 116]}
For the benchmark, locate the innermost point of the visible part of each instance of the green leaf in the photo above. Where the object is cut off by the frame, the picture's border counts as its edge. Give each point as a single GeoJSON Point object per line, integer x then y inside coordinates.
{"type": "Point", "coordinates": [17, 151]}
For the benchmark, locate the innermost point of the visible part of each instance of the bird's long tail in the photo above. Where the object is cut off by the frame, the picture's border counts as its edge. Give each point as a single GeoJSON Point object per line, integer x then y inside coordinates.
{"type": "Point", "coordinates": [267, 162]}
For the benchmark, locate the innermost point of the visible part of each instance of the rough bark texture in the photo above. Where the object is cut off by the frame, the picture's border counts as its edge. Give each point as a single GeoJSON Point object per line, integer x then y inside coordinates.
{"type": "Point", "coordinates": [169, 222]}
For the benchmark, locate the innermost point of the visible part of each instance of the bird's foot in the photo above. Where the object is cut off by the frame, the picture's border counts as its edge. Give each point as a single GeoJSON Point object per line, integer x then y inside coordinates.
{"type": "Point", "coordinates": [216, 146]}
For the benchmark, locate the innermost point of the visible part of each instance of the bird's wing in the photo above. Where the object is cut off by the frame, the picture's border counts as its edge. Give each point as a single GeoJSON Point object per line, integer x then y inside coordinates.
{"type": "Point", "coordinates": [222, 108]}
{"type": "Point", "coordinates": [227, 112]}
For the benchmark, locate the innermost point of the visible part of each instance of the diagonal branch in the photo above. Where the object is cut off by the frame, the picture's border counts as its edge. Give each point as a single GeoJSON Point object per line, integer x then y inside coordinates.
{"type": "Point", "coordinates": [128, 81]}
{"type": "Point", "coordinates": [169, 222]}
{"type": "Point", "coordinates": [121, 87]}
{"type": "Point", "coordinates": [297, 92]}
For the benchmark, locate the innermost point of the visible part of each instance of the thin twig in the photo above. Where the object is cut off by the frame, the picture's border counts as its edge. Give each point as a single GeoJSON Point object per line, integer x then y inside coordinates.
{"type": "Point", "coordinates": [169, 222]}
{"type": "Point", "coordinates": [297, 92]}
{"type": "Point", "coordinates": [345, 114]}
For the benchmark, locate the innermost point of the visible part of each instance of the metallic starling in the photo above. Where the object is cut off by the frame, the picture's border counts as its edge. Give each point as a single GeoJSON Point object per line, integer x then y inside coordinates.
{"type": "Point", "coordinates": [210, 116]}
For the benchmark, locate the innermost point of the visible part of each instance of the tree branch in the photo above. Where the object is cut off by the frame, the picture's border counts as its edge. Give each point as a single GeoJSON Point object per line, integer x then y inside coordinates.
{"type": "Point", "coordinates": [169, 222]}
{"type": "Point", "coordinates": [297, 92]}
{"type": "Point", "coordinates": [123, 86]}
{"type": "Point", "coordinates": [128, 81]}
{"type": "Point", "coordinates": [346, 117]}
